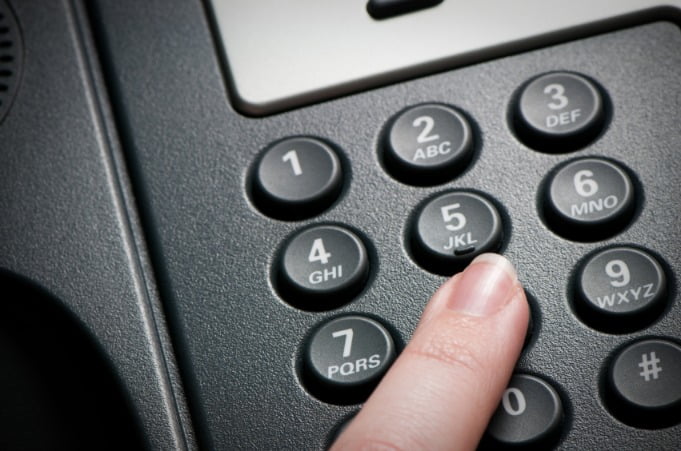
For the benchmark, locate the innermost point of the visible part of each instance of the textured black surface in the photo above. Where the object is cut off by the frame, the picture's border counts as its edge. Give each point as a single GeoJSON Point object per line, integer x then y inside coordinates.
{"type": "Point", "coordinates": [11, 57]}
{"type": "Point", "coordinates": [240, 344]}
{"type": "Point", "coordinates": [64, 230]}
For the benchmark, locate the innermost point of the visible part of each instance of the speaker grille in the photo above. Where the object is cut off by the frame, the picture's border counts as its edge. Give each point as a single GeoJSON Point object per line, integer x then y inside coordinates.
{"type": "Point", "coordinates": [11, 54]}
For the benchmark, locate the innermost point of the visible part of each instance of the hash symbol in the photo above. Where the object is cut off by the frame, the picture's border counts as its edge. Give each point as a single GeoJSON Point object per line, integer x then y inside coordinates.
{"type": "Point", "coordinates": [649, 366]}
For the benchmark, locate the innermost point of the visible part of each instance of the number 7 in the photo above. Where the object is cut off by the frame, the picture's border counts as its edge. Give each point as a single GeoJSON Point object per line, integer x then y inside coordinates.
{"type": "Point", "coordinates": [347, 346]}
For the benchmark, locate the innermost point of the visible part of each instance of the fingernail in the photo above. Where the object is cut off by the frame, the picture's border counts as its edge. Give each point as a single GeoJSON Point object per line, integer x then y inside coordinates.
{"type": "Point", "coordinates": [485, 286]}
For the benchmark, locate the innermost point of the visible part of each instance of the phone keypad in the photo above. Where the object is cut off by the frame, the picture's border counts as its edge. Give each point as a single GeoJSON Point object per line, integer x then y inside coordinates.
{"type": "Point", "coordinates": [617, 289]}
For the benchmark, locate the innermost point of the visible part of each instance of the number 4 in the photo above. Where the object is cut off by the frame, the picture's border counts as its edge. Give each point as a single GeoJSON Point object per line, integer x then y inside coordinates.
{"type": "Point", "coordinates": [318, 252]}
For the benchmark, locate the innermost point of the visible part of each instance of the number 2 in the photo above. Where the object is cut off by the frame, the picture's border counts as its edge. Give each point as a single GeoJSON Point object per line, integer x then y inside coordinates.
{"type": "Point", "coordinates": [558, 94]}
{"type": "Point", "coordinates": [428, 124]}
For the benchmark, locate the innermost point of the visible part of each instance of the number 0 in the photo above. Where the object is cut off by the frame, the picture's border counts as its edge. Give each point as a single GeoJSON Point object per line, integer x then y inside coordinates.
{"type": "Point", "coordinates": [520, 402]}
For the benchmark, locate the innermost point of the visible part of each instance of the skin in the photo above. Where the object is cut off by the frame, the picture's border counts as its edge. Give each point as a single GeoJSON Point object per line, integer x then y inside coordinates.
{"type": "Point", "coordinates": [448, 381]}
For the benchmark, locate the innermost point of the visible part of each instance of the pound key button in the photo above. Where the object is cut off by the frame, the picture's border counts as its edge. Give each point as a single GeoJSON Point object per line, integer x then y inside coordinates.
{"type": "Point", "coordinates": [322, 267]}
{"type": "Point", "coordinates": [346, 357]}
{"type": "Point", "coordinates": [643, 386]}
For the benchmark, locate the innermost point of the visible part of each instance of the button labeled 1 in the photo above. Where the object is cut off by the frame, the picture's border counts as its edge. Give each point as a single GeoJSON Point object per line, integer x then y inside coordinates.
{"type": "Point", "coordinates": [346, 357]}
{"type": "Point", "coordinates": [296, 178]}
{"type": "Point", "coordinates": [452, 229]}
{"type": "Point", "coordinates": [589, 199]}
{"type": "Point", "coordinates": [322, 267]}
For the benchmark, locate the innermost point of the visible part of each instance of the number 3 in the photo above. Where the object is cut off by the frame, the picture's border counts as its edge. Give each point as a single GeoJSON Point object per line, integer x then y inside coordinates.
{"type": "Point", "coordinates": [557, 92]}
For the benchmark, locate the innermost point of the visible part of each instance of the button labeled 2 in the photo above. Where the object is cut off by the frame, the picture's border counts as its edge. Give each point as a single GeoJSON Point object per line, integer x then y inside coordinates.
{"type": "Point", "coordinates": [428, 144]}
{"type": "Point", "coordinates": [322, 267]}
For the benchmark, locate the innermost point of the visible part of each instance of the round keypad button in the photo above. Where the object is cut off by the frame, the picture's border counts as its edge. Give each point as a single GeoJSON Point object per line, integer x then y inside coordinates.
{"type": "Point", "coordinates": [322, 267]}
{"type": "Point", "coordinates": [297, 178]}
{"type": "Point", "coordinates": [589, 199]}
{"type": "Point", "coordinates": [530, 415]}
{"type": "Point", "coordinates": [620, 289]}
{"type": "Point", "coordinates": [428, 144]}
{"type": "Point", "coordinates": [451, 229]}
{"type": "Point", "coordinates": [346, 357]}
{"type": "Point", "coordinates": [643, 386]}
{"type": "Point", "coordinates": [559, 111]}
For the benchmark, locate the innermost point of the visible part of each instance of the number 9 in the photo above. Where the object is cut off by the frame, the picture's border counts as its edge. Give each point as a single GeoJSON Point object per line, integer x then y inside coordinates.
{"type": "Point", "coordinates": [617, 269]}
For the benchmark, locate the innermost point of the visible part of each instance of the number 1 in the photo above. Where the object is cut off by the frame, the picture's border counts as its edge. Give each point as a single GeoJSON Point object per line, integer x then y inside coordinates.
{"type": "Point", "coordinates": [292, 157]}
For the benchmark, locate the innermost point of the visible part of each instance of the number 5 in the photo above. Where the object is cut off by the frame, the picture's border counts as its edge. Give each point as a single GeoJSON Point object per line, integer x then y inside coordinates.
{"type": "Point", "coordinates": [448, 215]}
